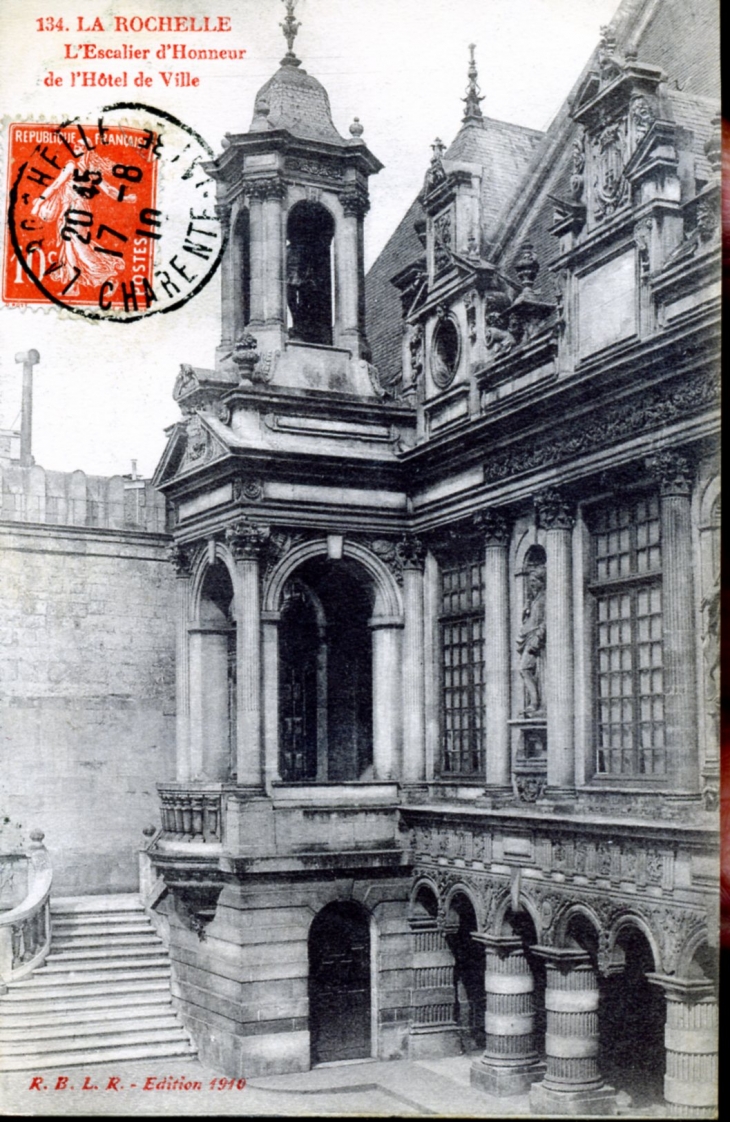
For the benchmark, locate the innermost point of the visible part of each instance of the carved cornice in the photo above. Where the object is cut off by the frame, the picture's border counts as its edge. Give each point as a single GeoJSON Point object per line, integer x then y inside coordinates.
{"type": "Point", "coordinates": [656, 408]}
{"type": "Point", "coordinates": [246, 540]}
{"type": "Point", "coordinates": [672, 471]}
{"type": "Point", "coordinates": [494, 526]}
{"type": "Point", "coordinates": [554, 511]}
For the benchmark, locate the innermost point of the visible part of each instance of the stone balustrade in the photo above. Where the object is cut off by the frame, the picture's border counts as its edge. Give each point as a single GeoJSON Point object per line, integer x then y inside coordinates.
{"type": "Point", "coordinates": [191, 812]}
{"type": "Point", "coordinates": [25, 930]}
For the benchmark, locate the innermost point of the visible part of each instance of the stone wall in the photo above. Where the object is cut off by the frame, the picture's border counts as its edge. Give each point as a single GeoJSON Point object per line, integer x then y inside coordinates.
{"type": "Point", "coordinates": [86, 671]}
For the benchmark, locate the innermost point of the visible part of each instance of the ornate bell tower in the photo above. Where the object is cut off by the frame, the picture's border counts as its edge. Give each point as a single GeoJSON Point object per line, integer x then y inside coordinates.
{"type": "Point", "coordinates": [294, 194]}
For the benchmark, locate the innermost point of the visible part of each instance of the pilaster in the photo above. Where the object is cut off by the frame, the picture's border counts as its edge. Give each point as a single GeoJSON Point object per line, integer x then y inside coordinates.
{"type": "Point", "coordinates": [180, 558]}
{"type": "Point", "coordinates": [495, 528]}
{"type": "Point", "coordinates": [412, 555]}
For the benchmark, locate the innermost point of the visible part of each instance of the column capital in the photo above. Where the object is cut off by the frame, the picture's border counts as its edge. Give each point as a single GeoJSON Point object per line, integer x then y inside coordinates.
{"type": "Point", "coordinates": [686, 990]}
{"type": "Point", "coordinates": [501, 945]}
{"type": "Point", "coordinates": [673, 471]}
{"type": "Point", "coordinates": [554, 511]}
{"type": "Point", "coordinates": [266, 187]}
{"type": "Point", "coordinates": [411, 553]}
{"type": "Point", "coordinates": [564, 959]}
{"type": "Point", "coordinates": [181, 558]}
{"type": "Point", "coordinates": [247, 540]}
{"type": "Point", "coordinates": [494, 525]}
{"type": "Point", "coordinates": [223, 214]}
{"type": "Point", "coordinates": [355, 202]}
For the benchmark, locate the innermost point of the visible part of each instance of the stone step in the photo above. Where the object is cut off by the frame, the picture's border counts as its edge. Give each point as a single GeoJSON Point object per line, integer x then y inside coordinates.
{"type": "Point", "coordinates": [62, 943]}
{"type": "Point", "coordinates": [116, 951]}
{"type": "Point", "coordinates": [49, 985]}
{"type": "Point", "coordinates": [141, 1005]}
{"type": "Point", "coordinates": [91, 961]}
{"type": "Point", "coordinates": [16, 1041]}
{"type": "Point", "coordinates": [101, 925]}
{"type": "Point", "coordinates": [55, 1000]}
{"type": "Point", "coordinates": [92, 1036]}
{"type": "Point", "coordinates": [72, 905]}
{"type": "Point", "coordinates": [102, 1054]}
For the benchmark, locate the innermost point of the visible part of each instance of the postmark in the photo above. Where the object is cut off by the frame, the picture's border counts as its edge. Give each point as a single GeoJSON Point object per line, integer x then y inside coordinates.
{"type": "Point", "coordinates": [112, 217]}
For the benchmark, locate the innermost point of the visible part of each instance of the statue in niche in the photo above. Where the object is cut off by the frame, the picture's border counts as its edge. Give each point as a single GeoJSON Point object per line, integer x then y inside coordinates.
{"type": "Point", "coordinates": [531, 643]}
{"type": "Point", "coordinates": [499, 341]}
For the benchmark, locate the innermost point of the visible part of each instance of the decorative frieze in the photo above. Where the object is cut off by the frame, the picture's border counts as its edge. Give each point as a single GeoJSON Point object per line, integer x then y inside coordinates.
{"type": "Point", "coordinates": [614, 424]}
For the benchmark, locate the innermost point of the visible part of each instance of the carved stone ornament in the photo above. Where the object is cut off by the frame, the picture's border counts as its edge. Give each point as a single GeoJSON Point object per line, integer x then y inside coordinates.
{"type": "Point", "coordinates": [554, 511]}
{"type": "Point", "coordinates": [530, 788]}
{"type": "Point", "coordinates": [354, 202]}
{"type": "Point", "coordinates": [270, 187]}
{"type": "Point", "coordinates": [181, 558]}
{"type": "Point", "coordinates": [442, 241]}
{"type": "Point", "coordinates": [247, 490]}
{"type": "Point", "coordinates": [303, 165]}
{"type": "Point", "coordinates": [436, 173]}
{"type": "Point", "coordinates": [672, 471]}
{"type": "Point", "coordinates": [642, 238]}
{"type": "Point", "coordinates": [415, 350]}
{"type": "Point", "coordinates": [186, 381]}
{"type": "Point", "coordinates": [494, 526]}
{"type": "Point", "coordinates": [411, 553]}
{"type": "Point", "coordinates": [653, 410]}
{"type": "Point", "coordinates": [577, 168]}
{"type": "Point", "coordinates": [531, 642]}
{"type": "Point", "coordinates": [608, 155]}
{"type": "Point", "coordinates": [641, 116]}
{"type": "Point", "coordinates": [247, 540]}
{"type": "Point", "coordinates": [526, 266]}
{"type": "Point", "coordinates": [198, 448]}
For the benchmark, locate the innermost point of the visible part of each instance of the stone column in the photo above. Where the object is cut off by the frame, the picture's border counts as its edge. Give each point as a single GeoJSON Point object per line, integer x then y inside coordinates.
{"type": "Point", "coordinates": [496, 532]}
{"type": "Point", "coordinates": [247, 542]}
{"type": "Point", "coordinates": [229, 286]}
{"type": "Point", "coordinates": [272, 192]}
{"type": "Point", "coordinates": [350, 312]}
{"type": "Point", "coordinates": [257, 253]}
{"type": "Point", "coordinates": [510, 1064]}
{"type": "Point", "coordinates": [270, 633]}
{"type": "Point", "coordinates": [434, 1031]}
{"type": "Point", "coordinates": [691, 1040]}
{"type": "Point", "coordinates": [555, 517]}
{"type": "Point", "coordinates": [412, 555]}
{"type": "Point", "coordinates": [181, 559]}
{"type": "Point", "coordinates": [674, 475]}
{"type": "Point", "coordinates": [386, 695]}
{"type": "Point", "coordinates": [572, 1083]}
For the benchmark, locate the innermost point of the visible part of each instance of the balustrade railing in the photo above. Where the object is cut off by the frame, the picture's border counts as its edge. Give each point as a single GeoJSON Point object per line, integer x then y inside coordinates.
{"type": "Point", "coordinates": [25, 930]}
{"type": "Point", "coordinates": [191, 813]}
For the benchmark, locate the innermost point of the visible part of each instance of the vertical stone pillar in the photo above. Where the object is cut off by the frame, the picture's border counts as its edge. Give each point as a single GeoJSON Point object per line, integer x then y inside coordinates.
{"type": "Point", "coordinates": [555, 516]}
{"type": "Point", "coordinates": [257, 252]}
{"type": "Point", "coordinates": [412, 554]}
{"type": "Point", "coordinates": [247, 542]}
{"type": "Point", "coordinates": [229, 286]}
{"type": "Point", "coordinates": [386, 695]}
{"type": "Point", "coordinates": [434, 1031]}
{"type": "Point", "coordinates": [572, 1083]}
{"type": "Point", "coordinates": [181, 559]}
{"type": "Point", "coordinates": [270, 632]}
{"type": "Point", "coordinates": [496, 532]}
{"type": "Point", "coordinates": [674, 475]}
{"type": "Point", "coordinates": [272, 192]}
{"type": "Point", "coordinates": [691, 1040]}
{"type": "Point", "coordinates": [510, 1063]}
{"type": "Point", "coordinates": [350, 280]}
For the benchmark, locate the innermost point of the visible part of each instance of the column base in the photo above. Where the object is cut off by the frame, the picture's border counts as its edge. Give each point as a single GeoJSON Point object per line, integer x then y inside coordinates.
{"type": "Point", "coordinates": [500, 1079]}
{"type": "Point", "coordinates": [598, 1101]}
{"type": "Point", "coordinates": [433, 1043]}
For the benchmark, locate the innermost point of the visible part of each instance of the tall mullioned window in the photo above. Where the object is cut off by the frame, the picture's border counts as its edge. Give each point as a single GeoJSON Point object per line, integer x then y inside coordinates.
{"type": "Point", "coordinates": [627, 587]}
{"type": "Point", "coordinates": [462, 668]}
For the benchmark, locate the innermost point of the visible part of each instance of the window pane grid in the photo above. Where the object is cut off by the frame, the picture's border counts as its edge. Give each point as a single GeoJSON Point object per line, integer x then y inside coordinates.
{"type": "Point", "coordinates": [629, 679]}
{"type": "Point", "coordinates": [462, 654]}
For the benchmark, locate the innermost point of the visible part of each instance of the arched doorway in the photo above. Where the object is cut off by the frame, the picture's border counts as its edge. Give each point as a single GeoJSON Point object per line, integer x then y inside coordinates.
{"type": "Point", "coordinates": [631, 1018]}
{"type": "Point", "coordinates": [469, 997]}
{"type": "Point", "coordinates": [339, 984]}
{"type": "Point", "coordinates": [325, 674]}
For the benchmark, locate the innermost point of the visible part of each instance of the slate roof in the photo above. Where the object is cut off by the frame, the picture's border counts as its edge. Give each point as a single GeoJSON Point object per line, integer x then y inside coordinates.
{"type": "Point", "coordinates": [296, 102]}
{"type": "Point", "coordinates": [382, 300]}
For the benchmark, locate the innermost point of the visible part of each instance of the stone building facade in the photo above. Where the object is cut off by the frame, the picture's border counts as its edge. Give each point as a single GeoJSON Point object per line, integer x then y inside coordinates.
{"type": "Point", "coordinates": [445, 547]}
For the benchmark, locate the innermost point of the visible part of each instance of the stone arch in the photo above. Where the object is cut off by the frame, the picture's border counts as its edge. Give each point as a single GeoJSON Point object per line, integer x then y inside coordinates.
{"type": "Point", "coordinates": [504, 903]}
{"type": "Point", "coordinates": [387, 598]}
{"type": "Point", "coordinates": [472, 896]}
{"type": "Point", "coordinates": [628, 919]}
{"type": "Point", "coordinates": [310, 232]}
{"type": "Point", "coordinates": [201, 563]}
{"type": "Point", "coordinates": [708, 499]}
{"type": "Point", "coordinates": [423, 885]}
{"type": "Point", "coordinates": [580, 912]}
{"type": "Point", "coordinates": [696, 942]}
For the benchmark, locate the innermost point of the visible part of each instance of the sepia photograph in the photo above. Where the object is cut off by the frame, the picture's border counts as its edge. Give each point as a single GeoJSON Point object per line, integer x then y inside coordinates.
{"type": "Point", "coordinates": [360, 558]}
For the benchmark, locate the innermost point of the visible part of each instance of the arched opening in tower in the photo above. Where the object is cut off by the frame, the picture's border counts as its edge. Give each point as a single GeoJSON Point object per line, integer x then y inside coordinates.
{"type": "Point", "coordinates": [309, 290]}
{"type": "Point", "coordinates": [216, 635]}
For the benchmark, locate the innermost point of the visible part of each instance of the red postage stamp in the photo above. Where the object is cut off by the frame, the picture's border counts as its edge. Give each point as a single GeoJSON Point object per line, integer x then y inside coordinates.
{"type": "Point", "coordinates": [112, 219]}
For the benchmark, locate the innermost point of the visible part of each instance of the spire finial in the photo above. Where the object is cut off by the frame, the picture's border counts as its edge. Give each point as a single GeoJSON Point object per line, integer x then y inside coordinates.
{"type": "Point", "coordinates": [290, 26]}
{"type": "Point", "coordinates": [473, 111]}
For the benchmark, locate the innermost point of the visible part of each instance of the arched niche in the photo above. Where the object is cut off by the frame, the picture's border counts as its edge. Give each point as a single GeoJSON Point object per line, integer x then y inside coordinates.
{"type": "Point", "coordinates": [310, 231]}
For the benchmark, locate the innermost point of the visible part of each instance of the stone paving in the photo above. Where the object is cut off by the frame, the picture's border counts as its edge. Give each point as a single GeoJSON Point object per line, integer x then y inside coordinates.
{"type": "Point", "coordinates": [372, 1088]}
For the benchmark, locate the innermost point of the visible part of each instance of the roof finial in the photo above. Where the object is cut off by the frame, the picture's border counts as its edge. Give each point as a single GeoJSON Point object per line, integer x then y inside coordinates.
{"type": "Point", "coordinates": [290, 26]}
{"type": "Point", "coordinates": [473, 111]}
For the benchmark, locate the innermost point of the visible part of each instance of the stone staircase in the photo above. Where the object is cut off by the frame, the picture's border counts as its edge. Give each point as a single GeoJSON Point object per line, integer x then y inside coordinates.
{"type": "Point", "coordinates": [103, 994]}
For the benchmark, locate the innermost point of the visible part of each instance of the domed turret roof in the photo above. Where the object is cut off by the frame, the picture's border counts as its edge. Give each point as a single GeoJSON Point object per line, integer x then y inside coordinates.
{"type": "Point", "coordinates": [294, 100]}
